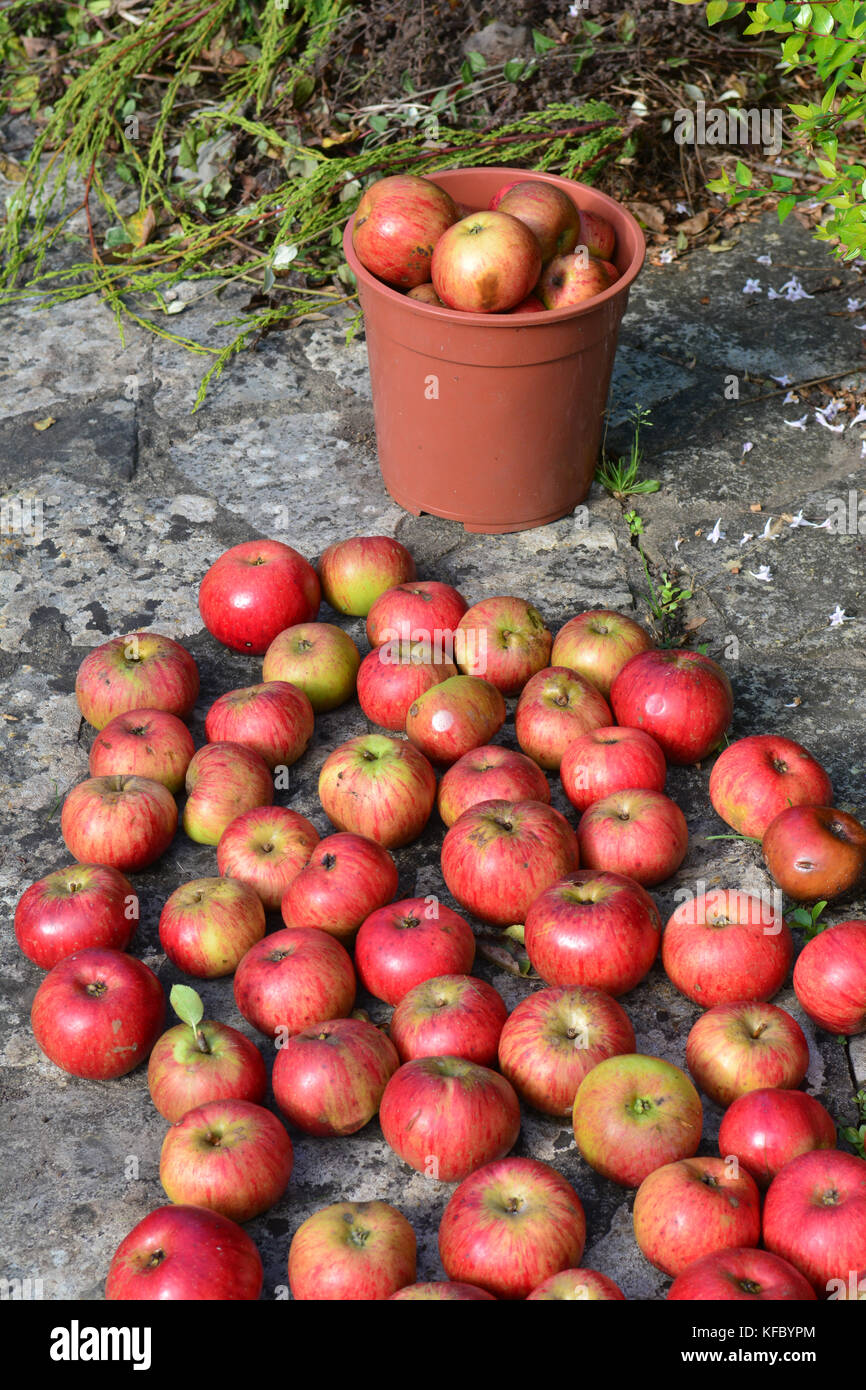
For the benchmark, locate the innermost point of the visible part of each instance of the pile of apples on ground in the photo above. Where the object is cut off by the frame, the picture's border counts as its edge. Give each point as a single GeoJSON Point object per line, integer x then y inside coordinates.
{"type": "Point", "coordinates": [607, 711]}
{"type": "Point", "coordinates": [518, 256]}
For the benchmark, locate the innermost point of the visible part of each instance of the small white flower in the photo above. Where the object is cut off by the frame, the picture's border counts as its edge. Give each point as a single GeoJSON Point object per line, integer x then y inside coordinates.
{"type": "Point", "coordinates": [863, 450]}
{"type": "Point", "coordinates": [680, 207]}
{"type": "Point", "coordinates": [800, 520]}
{"type": "Point", "coordinates": [854, 304]}
{"type": "Point", "coordinates": [831, 409]}
{"type": "Point", "coordinates": [860, 326]}
{"type": "Point", "coordinates": [836, 429]}
{"type": "Point", "coordinates": [773, 294]}
{"type": "Point", "coordinates": [824, 525]}
{"type": "Point", "coordinates": [764, 260]}
{"type": "Point", "coordinates": [859, 417]}
{"type": "Point", "coordinates": [765, 534]}
{"type": "Point", "coordinates": [747, 446]}
{"type": "Point", "coordinates": [791, 399]}
{"type": "Point", "coordinates": [782, 380]}
{"type": "Point", "coordinates": [678, 542]}
{"type": "Point", "coordinates": [717, 534]}
{"type": "Point", "coordinates": [797, 424]}
{"type": "Point", "coordinates": [764, 574]}
{"type": "Point", "coordinates": [667, 254]}
{"type": "Point", "coordinates": [747, 536]}
{"type": "Point", "coordinates": [793, 704]}
{"type": "Point", "coordinates": [752, 287]}
{"type": "Point", "coordinates": [839, 616]}
{"type": "Point", "coordinates": [792, 289]}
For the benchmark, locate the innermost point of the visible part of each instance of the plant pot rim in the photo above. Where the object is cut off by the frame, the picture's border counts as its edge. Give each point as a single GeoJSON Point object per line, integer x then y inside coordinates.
{"type": "Point", "coordinates": [615, 212]}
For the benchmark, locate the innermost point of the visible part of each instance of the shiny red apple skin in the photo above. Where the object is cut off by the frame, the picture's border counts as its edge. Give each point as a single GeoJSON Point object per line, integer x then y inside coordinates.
{"type": "Point", "coordinates": [425, 294]}
{"type": "Point", "coordinates": [454, 716]}
{"type": "Point", "coordinates": [693, 1207]}
{"type": "Point", "coordinates": [141, 670]}
{"type": "Point", "coordinates": [184, 1253]}
{"type": "Point", "coordinates": [254, 591]}
{"type": "Point", "coordinates": [292, 979]}
{"type": "Point", "coordinates": [444, 1292]}
{"type": "Point", "coordinates": [815, 1216]}
{"type": "Point", "coordinates": [124, 823]}
{"type": "Point", "coordinates": [345, 879]}
{"type": "Point", "coordinates": [230, 1156]}
{"type": "Point", "coordinates": [318, 658]}
{"type": "Point", "coordinates": [499, 855]}
{"type": "Point", "coordinates": [741, 1276]}
{"type": "Point", "coordinates": [555, 707]}
{"type": "Point", "coordinates": [597, 644]}
{"type": "Point", "coordinates": [633, 1114]}
{"type": "Point", "coordinates": [98, 1013]}
{"type": "Point", "coordinates": [592, 929]}
{"type": "Point", "coordinates": [641, 834]}
{"type": "Point", "coordinates": [765, 1129]}
{"type": "Point", "coordinates": [755, 778]}
{"type": "Point", "coordinates": [577, 1285]}
{"type": "Point", "coordinates": [266, 849]}
{"type": "Point", "coordinates": [329, 1078]}
{"type": "Point", "coordinates": [684, 700]}
{"type": "Point", "coordinates": [274, 718]}
{"type": "Point", "coordinates": [504, 640]}
{"type": "Point", "coordinates": [144, 743]}
{"type": "Point", "coordinates": [222, 782]}
{"type": "Point", "coordinates": [410, 941]}
{"type": "Point", "coordinates": [449, 1016]}
{"type": "Point", "coordinates": [830, 978]}
{"type": "Point", "coordinates": [75, 908]}
{"type": "Point", "coordinates": [489, 773]}
{"type": "Point", "coordinates": [746, 1046]}
{"type": "Point", "coordinates": [352, 1251]}
{"type": "Point", "coordinates": [554, 1037]}
{"type": "Point", "coordinates": [485, 263]}
{"type": "Point", "coordinates": [207, 926]}
{"type": "Point", "coordinates": [392, 677]}
{"type": "Point", "coordinates": [357, 571]}
{"type": "Point", "coordinates": [446, 1117]}
{"type": "Point", "coordinates": [398, 223]}
{"type": "Point", "coordinates": [597, 235]}
{"type": "Point", "coordinates": [571, 279]}
{"type": "Point", "coordinates": [424, 611]}
{"type": "Point", "coordinates": [725, 946]}
{"type": "Point", "coordinates": [182, 1075]}
{"type": "Point", "coordinates": [547, 211]}
{"type": "Point", "coordinates": [510, 1225]}
{"type": "Point", "coordinates": [530, 305]}
{"type": "Point", "coordinates": [607, 760]}
{"type": "Point", "coordinates": [814, 852]}
{"type": "Point", "coordinates": [379, 787]}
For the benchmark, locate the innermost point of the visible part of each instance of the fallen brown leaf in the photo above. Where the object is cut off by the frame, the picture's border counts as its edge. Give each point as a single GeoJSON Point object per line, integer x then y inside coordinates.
{"type": "Point", "coordinates": [694, 225]}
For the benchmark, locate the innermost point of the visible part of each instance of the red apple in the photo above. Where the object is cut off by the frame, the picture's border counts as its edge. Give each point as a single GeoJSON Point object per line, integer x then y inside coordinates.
{"type": "Point", "coordinates": [454, 716]}
{"type": "Point", "coordinates": [553, 1038]}
{"type": "Point", "coordinates": [72, 909]}
{"type": "Point", "coordinates": [765, 1129]}
{"type": "Point", "coordinates": [693, 1207]}
{"type": "Point", "coordinates": [292, 979]}
{"type": "Point", "coordinates": [593, 929]}
{"type": "Point", "coordinates": [547, 211]}
{"type": "Point", "coordinates": [815, 852]}
{"type": "Point", "coordinates": [830, 978]}
{"type": "Point", "coordinates": [596, 234]}
{"type": "Point", "coordinates": [504, 640]}
{"type": "Point", "coordinates": [144, 743]}
{"type": "Point", "coordinates": [612, 271]}
{"type": "Point", "coordinates": [222, 781]}
{"type": "Point", "coordinates": [530, 305]}
{"type": "Point", "coordinates": [555, 707]}
{"type": "Point", "coordinates": [266, 849]}
{"type": "Point", "coordinates": [723, 947]}
{"type": "Point", "coordinates": [755, 778]}
{"type": "Point", "coordinates": [443, 1292]}
{"type": "Point", "coordinates": [345, 879]}
{"type": "Point", "coordinates": [641, 834]}
{"type": "Point", "coordinates": [425, 294]}
{"type": "Point", "coordinates": [597, 644]}
{"type": "Point", "coordinates": [139, 671]}
{"type": "Point", "coordinates": [185, 1253]}
{"type": "Point", "coordinates": [445, 1116]}
{"type": "Point", "coordinates": [571, 279]}
{"type": "Point", "coordinates": [379, 787]}
{"type": "Point", "coordinates": [318, 658]}
{"type": "Point", "coordinates": [393, 676]}
{"type": "Point", "coordinates": [397, 225]}
{"type": "Point", "coordinates": [485, 263]}
{"type": "Point", "coordinates": [500, 855]}
{"type": "Point", "coordinates": [122, 822]}
{"type": "Point", "coordinates": [743, 1276]}
{"type": "Point", "coordinates": [736, 1048]}
{"type": "Point", "coordinates": [254, 591]}
{"type": "Point", "coordinates": [355, 572]}
{"type": "Point", "coordinates": [608, 760]}
{"type": "Point", "coordinates": [683, 699]}
{"type": "Point", "coordinates": [352, 1251]}
{"type": "Point", "coordinates": [577, 1284]}
{"type": "Point", "coordinates": [98, 1013]}
{"type": "Point", "coordinates": [632, 1114]}
{"type": "Point", "coordinates": [490, 773]}
{"type": "Point", "coordinates": [199, 1061]}
{"type": "Point", "coordinates": [329, 1078]}
{"type": "Point", "coordinates": [510, 1225]}
{"type": "Point", "coordinates": [815, 1216]}
{"type": "Point", "coordinates": [275, 719]}
{"type": "Point", "coordinates": [424, 611]}
{"type": "Point", "coordinates": [227, 1155]}
{"type": "Point", "coordinates": [208, 924]}
{"type": "Point", "coordinates": [449, 1016]}
{"type": "Point", "coordinates": [415, 939]}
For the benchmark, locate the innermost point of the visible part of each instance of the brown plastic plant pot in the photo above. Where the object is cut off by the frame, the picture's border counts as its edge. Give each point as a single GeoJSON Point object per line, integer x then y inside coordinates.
{"type": "Point", "coordinates": [494, 420]}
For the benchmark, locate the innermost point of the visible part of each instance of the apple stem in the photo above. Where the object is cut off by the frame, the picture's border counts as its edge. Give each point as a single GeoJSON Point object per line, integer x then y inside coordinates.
{"type": "Point", "coordinates": [201, 1041]}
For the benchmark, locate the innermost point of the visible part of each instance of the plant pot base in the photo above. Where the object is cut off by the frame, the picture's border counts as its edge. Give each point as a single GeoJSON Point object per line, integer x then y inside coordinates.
{"type": "Point", "coordinates": [484, 528]}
